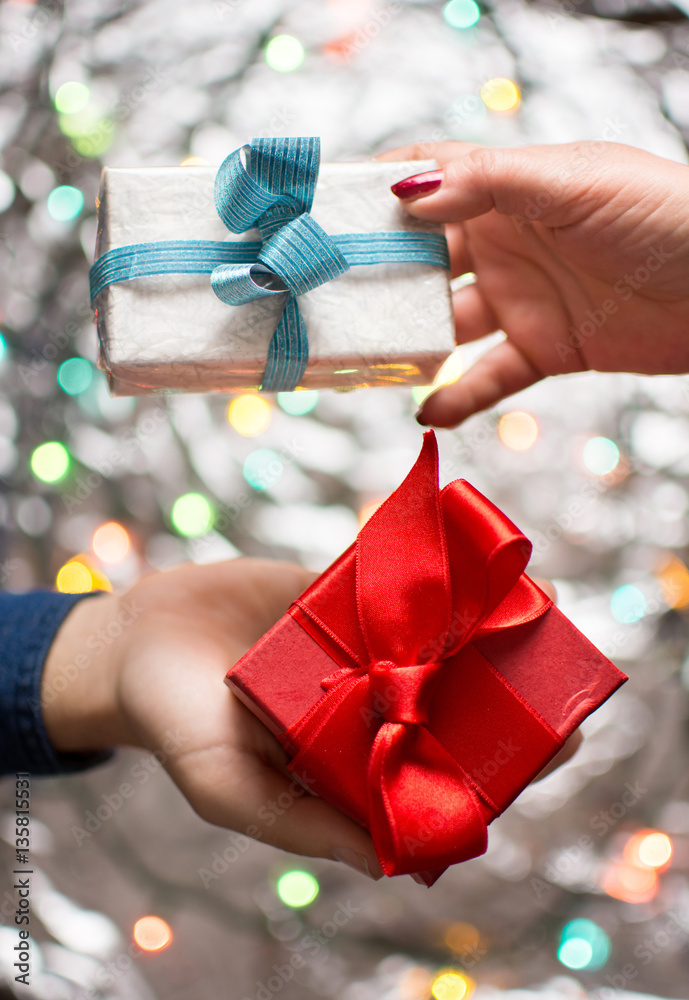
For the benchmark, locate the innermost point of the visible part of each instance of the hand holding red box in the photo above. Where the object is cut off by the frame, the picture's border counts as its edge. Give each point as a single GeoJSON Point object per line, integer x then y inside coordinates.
{"type": "Point", "coordinates": [424, 680]}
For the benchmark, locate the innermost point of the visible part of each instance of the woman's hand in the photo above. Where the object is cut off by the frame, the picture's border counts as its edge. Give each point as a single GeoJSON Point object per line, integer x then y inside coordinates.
{"type": "Point", "coordinates": [581, 256]}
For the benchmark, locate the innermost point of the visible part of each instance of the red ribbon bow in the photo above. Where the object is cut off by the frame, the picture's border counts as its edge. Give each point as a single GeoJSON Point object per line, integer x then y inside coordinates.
{"type": "Point", "coordinates": [415, 607]}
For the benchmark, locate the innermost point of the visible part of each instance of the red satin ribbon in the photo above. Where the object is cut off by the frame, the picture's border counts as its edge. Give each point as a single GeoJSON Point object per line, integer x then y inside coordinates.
{"type": "Point", "coordinates": [415, 611]}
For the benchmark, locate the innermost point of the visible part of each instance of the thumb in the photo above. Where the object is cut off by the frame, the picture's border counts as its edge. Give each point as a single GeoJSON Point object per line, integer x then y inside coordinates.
{"type": "Point", "coordinates": [557, 185]}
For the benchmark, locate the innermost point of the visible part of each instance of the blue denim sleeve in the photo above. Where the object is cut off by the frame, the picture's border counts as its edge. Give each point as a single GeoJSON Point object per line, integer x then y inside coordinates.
{"type": "Point", "coordinates": [28, 624]}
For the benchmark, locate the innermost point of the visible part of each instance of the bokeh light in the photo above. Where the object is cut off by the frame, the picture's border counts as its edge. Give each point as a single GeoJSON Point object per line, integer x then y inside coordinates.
{"type": "Point", "coordinates": [575, 953]}
{"type": "Point", "coordinates": [649, 849]}
{"type": "Point", "coordinates": [368, 510]}
{"type": "Point", "coordinates": [583, 945]}
{"type": "Point", "coordinates": [462, 937]}
{"type": "Point", "coordinates": [297, 888]}
{"type": "Point", "coordinates": [74, 578]}
{"type": "Point", "coordinates": [461, 13]}
{"type": "Point", "coordinates": [111, 543]}
{"type": "Point", "coordinates": [7, 191]}
{"type": "Point", "coordinates": [3, 347]}
{"type": "Point", "coordinates": [79, 576]}
{"type": "Point", "coordinates": [152, 933]}
{"type": "Point", "coordinates": [249, 415]}
{"type": "Point", "coordinates": [673, 577]}
{"type": "Point", "coordinates": [299, 402]}
{"type": "Point", "coordinates": [262, 468]}
{"type": "Point", "coordinates": [449, 372]}
{"type": "Point", "coordinates": [601, 456]}
{"type": "Point", "coordinates": [500, 94]}
{"type": "Point", "coordinates": [50, 461]}
{"type": "Point", "coordinates": [71, 97]}
{"type": "Point", "coordinates": [284, 53]}
{"type": "Point", "coordinates": [627, 604]}
{"type": "Point", "coordinates": [192, 515]}
{"type": "Point", "coordinates": [517, 430]}
{"type": "Point", "coordinates": [629, 883]}
{"type": "Point", "coordinates": [452, 986]}
{"type": "Point", "coordinates": [74, 375]}
{"type": "Point", "coordinates": [65, 203]}
{"type": "Point", "coordinates": [94, 139]}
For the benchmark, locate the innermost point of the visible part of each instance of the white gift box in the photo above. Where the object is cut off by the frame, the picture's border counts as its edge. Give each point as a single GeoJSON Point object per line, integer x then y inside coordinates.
{"type": "Point", "coordinates": [379, 324]}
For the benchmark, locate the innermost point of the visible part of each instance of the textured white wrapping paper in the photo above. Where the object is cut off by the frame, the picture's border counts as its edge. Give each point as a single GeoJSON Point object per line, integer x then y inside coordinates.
{"type": "Point", "coordinates": [381, 324]}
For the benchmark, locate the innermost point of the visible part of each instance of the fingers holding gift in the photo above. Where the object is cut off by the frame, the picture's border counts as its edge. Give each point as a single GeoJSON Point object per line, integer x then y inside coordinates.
{"type": "Point", "coordinates": [473, 316]}
{"type": "Point", "coordinates": [238, 791]}
{"type": "Point", "coordinates": [500, 372]}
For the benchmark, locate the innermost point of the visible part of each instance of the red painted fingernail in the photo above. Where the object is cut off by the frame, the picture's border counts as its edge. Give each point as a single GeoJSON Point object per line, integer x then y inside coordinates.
{"type": "Point", "coordinates": [419, 184]}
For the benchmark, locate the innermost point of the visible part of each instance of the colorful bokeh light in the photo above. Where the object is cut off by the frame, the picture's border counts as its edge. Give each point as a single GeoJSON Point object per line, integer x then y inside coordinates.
{"type": "Point", "coordinates": [452, 986]}
{"type": "Point", "coordinates": [94, 138]}
{"type": "Point", "coordinates": [50, 461]}
{"type": "Point", "coordinates": [500, 94]}
{"type": "Point", "coordinates": [111, 543]}
{"type": "Point", "coordinates": [262, 468]}
{"type": "Point", "coordinates": [152, 933]}
{"type": "Point", "coordinates": [74, 578]}
{"type": "Point", "coordinates": [249, 415]}
{"type": "Point", "coordinates": [192, 515]}
{"type": "Point", "coordinates": [299, 402]}
{"type": "Point", "coordinates": [75, 375]}
{"type": "Point", "coordinates": [461, 13]}
{"type": "Point", "coordinates": [651, 849]}
{"type": "Point", "coordinates": [629, 883]}
{"type": "Point", "coordinates": [284, 53]}
{"type": "Point", "coordinates": [297, 888]}
{"type": "Point", "coordinates": [449, 372]}
{"type": "Point", "coordinates": [3, 348]}
{"type": "Point", "coordinates": [65, 203]}
{"type": "Point", "coordinates": [368, 510]}
{"type": "Point", "coordinates": [627, 604]}
{"type": "Point", "coordinates": [518, 431]}
{"type": "Point", "coordinates": [78, 576]}
{"type": "Point", "coordinates": [601, 456]}
{"type": "Point", "coordinates": [673, 577]}
{"type": "Point", "coordinates": [462, 938]}
{"type": "Point", "coordinates": [7, 191]}
{"type": "Point", "coordinates": [71, 97]}
{"type": "Point", "coordinates": [583, 945]}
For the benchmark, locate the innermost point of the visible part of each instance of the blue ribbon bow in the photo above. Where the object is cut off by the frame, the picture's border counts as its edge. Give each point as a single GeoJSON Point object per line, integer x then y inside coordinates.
{"type": "Point", "coordinates": [270, 185]}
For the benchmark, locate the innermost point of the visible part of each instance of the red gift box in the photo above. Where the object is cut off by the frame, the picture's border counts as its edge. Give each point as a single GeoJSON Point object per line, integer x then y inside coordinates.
{"type": "Point", "coordinates": [423, 680]}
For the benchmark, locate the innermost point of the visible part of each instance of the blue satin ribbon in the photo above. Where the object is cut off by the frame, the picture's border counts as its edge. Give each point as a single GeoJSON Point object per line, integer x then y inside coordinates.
{"type": "Point", "coordinates": [270, 185]}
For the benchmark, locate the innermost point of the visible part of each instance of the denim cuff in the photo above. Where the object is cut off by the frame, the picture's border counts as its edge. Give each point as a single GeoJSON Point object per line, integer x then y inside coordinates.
{"type": "Point", "coordinates": [28, 625]}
